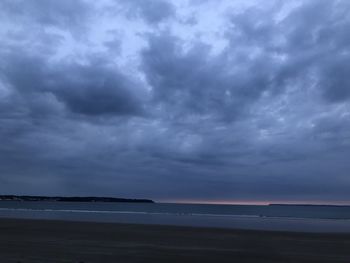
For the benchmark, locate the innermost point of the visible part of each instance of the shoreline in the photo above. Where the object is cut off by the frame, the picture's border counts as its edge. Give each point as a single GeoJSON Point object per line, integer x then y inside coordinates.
{"type": "Point", "coordinates": [219, 228]}
{"type": "Point", "coordinates": [27, 240]}
{"type": "Point", "coordinates": [311, 225]}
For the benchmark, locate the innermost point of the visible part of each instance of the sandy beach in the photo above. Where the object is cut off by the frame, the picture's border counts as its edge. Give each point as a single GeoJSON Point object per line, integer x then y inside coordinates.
{"type": "Point", "coordinates": [63, 241]}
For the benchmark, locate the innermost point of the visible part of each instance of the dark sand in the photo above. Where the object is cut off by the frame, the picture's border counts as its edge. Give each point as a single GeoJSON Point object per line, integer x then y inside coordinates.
{"type": "Point", "coordinates": [59, 241]}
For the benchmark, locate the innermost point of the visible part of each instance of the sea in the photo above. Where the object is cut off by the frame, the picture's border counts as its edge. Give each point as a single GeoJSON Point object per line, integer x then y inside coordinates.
{"type": "Point", "coordinates": [297, 218]}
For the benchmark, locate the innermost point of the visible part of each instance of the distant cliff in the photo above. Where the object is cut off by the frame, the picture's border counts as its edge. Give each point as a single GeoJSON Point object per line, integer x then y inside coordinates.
{"type": "Point", "coordinates": [71, 199]}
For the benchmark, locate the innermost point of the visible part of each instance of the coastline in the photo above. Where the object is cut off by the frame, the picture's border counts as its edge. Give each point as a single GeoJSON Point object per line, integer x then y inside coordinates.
{"type": "Point", "coordinates": [24, 240]}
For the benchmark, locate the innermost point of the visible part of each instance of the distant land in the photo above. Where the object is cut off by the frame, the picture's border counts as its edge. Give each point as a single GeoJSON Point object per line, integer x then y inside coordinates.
{"type": "Point", "coordinates": [71, 199]}
{"type": "Point", "coordinates": [307, 205]}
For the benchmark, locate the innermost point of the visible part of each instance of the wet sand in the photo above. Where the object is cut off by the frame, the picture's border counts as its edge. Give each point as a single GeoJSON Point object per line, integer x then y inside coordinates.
{"type": "Point", "coordinates": [63, 241]}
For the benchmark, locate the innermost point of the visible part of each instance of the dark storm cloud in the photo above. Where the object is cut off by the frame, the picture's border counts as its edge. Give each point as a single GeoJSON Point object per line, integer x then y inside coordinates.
{"type": "Point", "coordinates": [334, 79]}
{"type": "Point", "coordinates": [266, 117]}
{"type": "Point", "coordinates": [318, 33]}
{"type": "Point", "coordinates": [287, 51]}
{"type": "Point", "coordinates": [193, 81]}
{"type": "Point", "coordinates": [312, 39]}
{"type": "Point", "coordinates": [92, 89]}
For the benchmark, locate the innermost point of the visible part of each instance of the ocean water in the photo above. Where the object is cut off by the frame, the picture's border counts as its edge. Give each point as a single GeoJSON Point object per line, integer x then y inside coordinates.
{"type": "Point", "coordinates": [273, 217]}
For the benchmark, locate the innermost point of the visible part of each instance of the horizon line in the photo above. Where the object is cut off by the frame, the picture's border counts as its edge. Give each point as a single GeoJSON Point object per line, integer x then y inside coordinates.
{"type": "Point", "coordinates": [206, 201]}
{"type": "Point", "coordinates": [256, 202]}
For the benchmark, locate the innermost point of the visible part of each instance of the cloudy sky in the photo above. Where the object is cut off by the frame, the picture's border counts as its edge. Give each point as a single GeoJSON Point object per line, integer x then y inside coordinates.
{"type": "Point", "coordinates": [185, 100]}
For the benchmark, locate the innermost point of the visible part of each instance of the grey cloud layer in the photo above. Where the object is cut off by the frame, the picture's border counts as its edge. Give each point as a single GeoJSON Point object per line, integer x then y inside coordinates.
{"type": "Point", "coordinates": [64, 14]}
{"type": "Point", "coordinates": [153, 11]}
{"type": "Point", "coordinates": [267, 117]}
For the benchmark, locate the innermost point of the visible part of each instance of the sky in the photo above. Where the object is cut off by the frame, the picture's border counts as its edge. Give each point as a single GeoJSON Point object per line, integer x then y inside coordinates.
{"type": "Point", "coordinates": [181, 101]}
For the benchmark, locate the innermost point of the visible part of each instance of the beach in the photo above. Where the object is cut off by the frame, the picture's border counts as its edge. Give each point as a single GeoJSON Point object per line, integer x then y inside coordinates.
{"type": "Point", "coordinates": [24, 240]}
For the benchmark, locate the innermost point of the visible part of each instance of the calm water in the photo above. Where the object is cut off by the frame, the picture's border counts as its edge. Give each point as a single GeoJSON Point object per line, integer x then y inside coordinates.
{"type": "Point", "coordinates": [296, 218]}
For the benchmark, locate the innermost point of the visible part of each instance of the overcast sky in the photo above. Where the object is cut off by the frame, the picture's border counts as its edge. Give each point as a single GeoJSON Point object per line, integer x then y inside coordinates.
{"type": "Point", "coordinates": [185, 100]}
